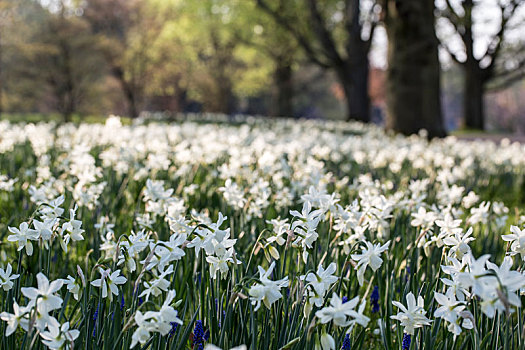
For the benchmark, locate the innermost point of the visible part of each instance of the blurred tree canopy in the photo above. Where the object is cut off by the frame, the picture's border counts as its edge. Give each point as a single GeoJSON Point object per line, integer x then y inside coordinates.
{"type": "Point", "coordinates": [274, 57]}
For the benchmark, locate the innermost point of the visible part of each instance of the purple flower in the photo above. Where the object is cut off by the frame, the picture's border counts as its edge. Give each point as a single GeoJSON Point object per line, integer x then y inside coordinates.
{"type": "Point", "coordinates": [95, 316]}
{"type": "Point", "coordinates": [406, 341]}
{"type": "Point", "coordinates": [174, 326]}
{"type": "Point", "coordinates": [346, 343]}
{"type": "Point", "coordinates": [199, 336]}
{"type": "Point", "coordinates": [374, 299]}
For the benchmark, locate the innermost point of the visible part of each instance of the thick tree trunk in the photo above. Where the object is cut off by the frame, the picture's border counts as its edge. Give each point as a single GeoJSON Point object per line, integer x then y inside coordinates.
{"type": "Point", "coordinates": [354, 81]}
{"type": "Point", "coordinates": [413, 76]}
{"type": "Point", "coordinates": [473, 111]}
{"type": "Point", "coordinates": [283, 95]}
{"type": "Point", "coordinates": [359, 100]}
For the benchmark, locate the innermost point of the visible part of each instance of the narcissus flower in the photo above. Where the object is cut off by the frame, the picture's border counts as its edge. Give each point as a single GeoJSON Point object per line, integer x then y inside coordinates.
{"type": "Point", "coordinates": [267, 291]}
{"type": "Point", "coordinates": [44, 296]}
{"type": "Point", "coordinates": [370, 256]}
{"type": "Point", "coordinates": [342, 313]}
{"type": "Point", "coordinates": [59, 336]}
{"type": "Point", "coordinates": [6, 277]}
{"type": "Point", "coordinates": [23, 236]}
{"type": "Point", "coordinates": [517, 241]}
{"type": "Point", "coordinates": [19, 317]}
{"type": "Point", "coordinates": [108, 282]}
{"type": "Point", "coordinates": [413, 315]}
{"type": "Point", "coordinates": [155, 321]}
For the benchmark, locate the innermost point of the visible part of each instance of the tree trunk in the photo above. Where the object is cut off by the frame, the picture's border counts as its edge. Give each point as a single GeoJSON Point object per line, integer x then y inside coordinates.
{"type": "Point", "coordinates": [474, 75]}
{"type": "Point", "coordinates": [359, 100]}
{"type": "Point", "coordinates": [282, 106]}
{"type": "Point", "coordinates": [181, 97]}
{"type": "Point", "coordinates": [225, 100]}
{"type": "Point", "coordinates": [473, 111]}
{"type": "Point", "coordinates": [128, 91]}
{"type": "Point", "coordinates": [353, 78]}
{"type": "Point", "coordinates": [132, 104]}
{"type": "Point", "coordinates": [69, 86]}
{"type": "Point", "coordinates": [66, 116]}
{"type": "Point", "coordinates": [413, 76]}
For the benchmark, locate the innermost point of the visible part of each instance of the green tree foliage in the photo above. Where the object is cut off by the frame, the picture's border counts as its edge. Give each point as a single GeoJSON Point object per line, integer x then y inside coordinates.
{"type": "Point", "coordinates": [127, 30]}
{"type": "Point", "coordinates": [174, 51]}
{"type": "Point", "coordinates": [207, 36]}
{"type": "Point", "coordinates": [51, 61]}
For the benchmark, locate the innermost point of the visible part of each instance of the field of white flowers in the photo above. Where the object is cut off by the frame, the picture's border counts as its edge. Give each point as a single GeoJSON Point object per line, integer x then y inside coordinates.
{"type": "Point", "coordinates": [258, 234]}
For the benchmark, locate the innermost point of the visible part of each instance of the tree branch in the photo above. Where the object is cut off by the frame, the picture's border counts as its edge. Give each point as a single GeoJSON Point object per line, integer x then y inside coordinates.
{"type": "Point", "coordinates": [263, 48]}
{"type": "Point", "coordinates": [374, 22]}
{"type": "Point", "coordinates": [494, 47]}
{"type": "Point", "coordinates": [454, 57]}
{"type": "Point", "coordinates": [352, 14]}
{"type": "Point", "coordinates": [301, 39]}
{"type": "Point", "coordinates": [506, 77]}
{"type": "Point", "coordinates": [324, 35]}
{"type": "Point", "coordinates": [504, 82]}
{"type": "Point", "coordinates": [453, 17]}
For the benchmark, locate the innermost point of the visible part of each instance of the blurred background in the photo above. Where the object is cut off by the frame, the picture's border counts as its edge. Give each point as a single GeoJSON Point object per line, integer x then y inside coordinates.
{"type": "Point", "coordinates": [68, 59]}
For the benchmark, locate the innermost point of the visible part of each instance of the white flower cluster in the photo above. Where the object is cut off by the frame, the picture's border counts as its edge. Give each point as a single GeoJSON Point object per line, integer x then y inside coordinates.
{"type": "Point", "coordinates": [335, 200]}
{"type": "Point", "coordinates": [50, 226]}
{"type": "Point", "coordinates": [42, 301]}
